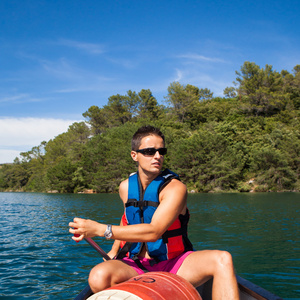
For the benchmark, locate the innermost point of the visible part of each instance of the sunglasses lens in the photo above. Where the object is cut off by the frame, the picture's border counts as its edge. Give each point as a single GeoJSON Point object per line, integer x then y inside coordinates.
{"type": "Point", "coordinates": [162, 151]}
{"type": "Point", "coordinates": [152, 151]}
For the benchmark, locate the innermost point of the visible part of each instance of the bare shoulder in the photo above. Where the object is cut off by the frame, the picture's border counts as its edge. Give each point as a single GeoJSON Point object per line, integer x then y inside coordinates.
{"type": "Point", "coordinates": [176, 185]}
{"type": "Point", "coordinates": [123, 190]}
{"type": "Point", "coordinates": [175, 192]}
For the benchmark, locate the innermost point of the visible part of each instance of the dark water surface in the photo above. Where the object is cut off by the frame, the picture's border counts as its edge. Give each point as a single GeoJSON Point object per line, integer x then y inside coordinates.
{"type": "Point", "coordinates": [38, 259]}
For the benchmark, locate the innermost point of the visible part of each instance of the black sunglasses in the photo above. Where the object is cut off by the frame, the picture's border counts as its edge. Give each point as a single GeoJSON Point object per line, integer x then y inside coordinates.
{"type": "Point", "coordinates": [152, 151]}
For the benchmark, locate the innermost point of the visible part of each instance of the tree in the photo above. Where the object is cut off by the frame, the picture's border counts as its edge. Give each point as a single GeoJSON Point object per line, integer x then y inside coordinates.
{"type": "Point", "coordinates": [96, 118]}
{"type": "Point", "coordinates": [207, 162]}
{"type": "Point", "coordinates": [106, 160]}
{"type": "Point", "coordinates": [17, 175]}
{"type": "Point", "coordinates": [261, 89]}
{"type": "Point", "coordinates": [214, 143]}
{"type": "Point", "coordinates": [205, 94]}
{"type": "Point", "coordinates": [296, 70]}
{"type": "Point", "coordinates": [292, 85]}
{"type": "Point", "coordinates": [68, 144]}
{"type": "Point", "coordinates": [61, 175]}
{"type": "Point", "coordinates": [249, 79]}
{"type": "Point", "coordinates": [183, 99]}
{"type": "Point", "coordinates": [148, 107]}
{"type": "Point", "coordinates": [121, 109]}
{"type": "Point", "coordinates": [272, 168]}
{"type": "Point", "coordinates": [229, 92]}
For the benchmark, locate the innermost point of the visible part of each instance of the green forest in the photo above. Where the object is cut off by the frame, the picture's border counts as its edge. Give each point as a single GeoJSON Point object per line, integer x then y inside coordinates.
{"type": "Point", "coordinates": [246, 141]}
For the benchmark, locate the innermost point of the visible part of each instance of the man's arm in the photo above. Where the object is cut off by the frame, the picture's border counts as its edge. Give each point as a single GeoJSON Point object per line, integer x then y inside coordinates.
{"type": "Point", "coordinates": [172, 203]}
{"type": "Point", "coordinates": [115, 247]}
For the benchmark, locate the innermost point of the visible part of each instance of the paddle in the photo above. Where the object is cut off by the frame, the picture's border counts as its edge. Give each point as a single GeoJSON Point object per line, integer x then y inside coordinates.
{"type": "Point", "coordinates": [87, 290]}
{"type": "Point", "coordinates": [97, 248]}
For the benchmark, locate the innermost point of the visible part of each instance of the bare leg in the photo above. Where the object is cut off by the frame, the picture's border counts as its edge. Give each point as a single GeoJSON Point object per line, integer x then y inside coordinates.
{"type": "Point", "coordinates": [109, 273]}
{"type": "Point", "coordinates": [200, 266]}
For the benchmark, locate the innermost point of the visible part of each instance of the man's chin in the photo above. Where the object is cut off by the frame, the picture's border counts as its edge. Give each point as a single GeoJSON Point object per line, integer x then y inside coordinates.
{"type": "Point", "coordinates": [156, 169]}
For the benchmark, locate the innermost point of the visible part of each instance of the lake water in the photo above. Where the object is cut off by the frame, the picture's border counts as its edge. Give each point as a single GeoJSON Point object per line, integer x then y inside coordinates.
{"type": "Point", "coordinates": [39, 260]}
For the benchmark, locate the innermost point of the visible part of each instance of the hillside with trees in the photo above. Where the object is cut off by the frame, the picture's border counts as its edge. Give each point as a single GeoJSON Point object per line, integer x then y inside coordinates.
{"type": "Point", "coordinates": [248, 140]}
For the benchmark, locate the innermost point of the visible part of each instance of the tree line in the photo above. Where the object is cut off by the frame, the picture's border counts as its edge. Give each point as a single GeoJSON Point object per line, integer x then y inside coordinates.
{"type": "Point", "coordinates": [248, 140]}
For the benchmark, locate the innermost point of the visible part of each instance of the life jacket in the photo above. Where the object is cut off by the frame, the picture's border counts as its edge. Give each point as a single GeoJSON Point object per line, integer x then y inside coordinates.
{"type": "Point", "coordinates": [140, 208]}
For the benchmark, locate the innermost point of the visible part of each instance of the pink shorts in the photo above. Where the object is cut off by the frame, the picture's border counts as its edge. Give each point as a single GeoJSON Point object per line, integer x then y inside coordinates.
{"type": "Point", "coordinates": [170, 265]}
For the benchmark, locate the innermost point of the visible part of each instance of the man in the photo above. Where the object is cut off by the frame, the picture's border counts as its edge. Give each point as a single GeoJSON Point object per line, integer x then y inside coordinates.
{"type": "Point", "coordinates": [156, 210]}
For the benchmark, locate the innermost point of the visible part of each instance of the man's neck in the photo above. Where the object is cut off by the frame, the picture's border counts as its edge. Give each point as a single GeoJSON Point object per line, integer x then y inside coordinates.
{"type": "Point", "coordinates": [146, 178]}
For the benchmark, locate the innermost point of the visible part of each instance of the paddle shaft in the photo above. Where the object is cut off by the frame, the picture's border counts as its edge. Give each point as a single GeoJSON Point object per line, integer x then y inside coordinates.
{"type": "Point", "coordinates": [87, 290]}
{"type": "Point", "coordinates": [97, 248]}
{"type": "Point", "coordinates": [94, 245]}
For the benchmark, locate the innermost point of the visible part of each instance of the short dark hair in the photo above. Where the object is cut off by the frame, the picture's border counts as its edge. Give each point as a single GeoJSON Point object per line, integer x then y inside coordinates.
{"type": "Point", "coordinates": [143, 132]}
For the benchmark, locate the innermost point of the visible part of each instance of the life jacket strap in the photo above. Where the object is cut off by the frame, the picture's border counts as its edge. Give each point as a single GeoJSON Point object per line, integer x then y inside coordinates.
{"type": "Point", "coordinates": [139, 264]}
{"type": "Point", "coordinates": [172, 233]}
{"type": "Point", "coordinates": [141, 204]}
{"type": "Point", "coordinates": [124, 250]}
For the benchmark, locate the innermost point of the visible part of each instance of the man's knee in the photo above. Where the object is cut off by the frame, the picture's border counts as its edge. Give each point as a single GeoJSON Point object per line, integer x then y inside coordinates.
{"type": "Point", "coordinates": [224, 260]}
{"type": "Point", "coordinates": [100, 278]}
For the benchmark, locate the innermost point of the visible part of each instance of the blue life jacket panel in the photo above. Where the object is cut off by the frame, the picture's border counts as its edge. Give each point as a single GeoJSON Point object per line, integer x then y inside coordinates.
{"type": "Point", "coordinates": [140, 208]}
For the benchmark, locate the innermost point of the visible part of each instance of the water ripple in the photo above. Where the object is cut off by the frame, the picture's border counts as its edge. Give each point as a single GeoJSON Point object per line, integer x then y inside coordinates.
{"type": "Point", "coordinates": [38, 259]}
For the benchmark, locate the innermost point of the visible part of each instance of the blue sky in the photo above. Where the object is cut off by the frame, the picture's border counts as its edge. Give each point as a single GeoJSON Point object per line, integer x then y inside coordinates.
{"type": "Point", "coordinates": [57, 58]}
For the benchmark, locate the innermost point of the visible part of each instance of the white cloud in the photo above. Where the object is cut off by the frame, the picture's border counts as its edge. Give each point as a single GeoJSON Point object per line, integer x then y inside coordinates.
{"type": "Point", "coordinates": [8, 156]}
{"type": "Point", "coordinates": [62, 69]}
{"type": "Point", "coordinates": [20, 98]}
{"type": "Point", "coordinates": [179, 75]}
{"type": "Point", "coordinates": [197, 57]}
{"type": "Point", "coordinates": [21, 134]}
{"type": "Point", "coordinates": [200, 79]}
{"type": "Point", "coordinates": [75, 78]}
{"type": "Point", "coordinates": [91, 48]}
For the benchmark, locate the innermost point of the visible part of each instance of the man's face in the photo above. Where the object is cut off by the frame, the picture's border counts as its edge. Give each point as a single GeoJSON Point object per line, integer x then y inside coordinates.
{"type": "Point", "coordinates": [150, 163]}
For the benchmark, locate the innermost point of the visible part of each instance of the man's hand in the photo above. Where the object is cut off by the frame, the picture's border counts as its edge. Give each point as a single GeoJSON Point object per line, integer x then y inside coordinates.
{"type": "Point", "coordinates": [84, 228]}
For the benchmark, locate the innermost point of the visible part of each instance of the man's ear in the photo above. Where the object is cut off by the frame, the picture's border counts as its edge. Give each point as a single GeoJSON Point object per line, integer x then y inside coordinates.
{"type": "Point", "coordinates": [134, 155]}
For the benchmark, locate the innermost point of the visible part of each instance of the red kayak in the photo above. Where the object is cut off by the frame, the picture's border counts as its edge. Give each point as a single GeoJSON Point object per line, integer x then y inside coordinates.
{"type": "Point", "coordinates": [167, 286]}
